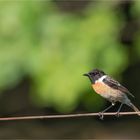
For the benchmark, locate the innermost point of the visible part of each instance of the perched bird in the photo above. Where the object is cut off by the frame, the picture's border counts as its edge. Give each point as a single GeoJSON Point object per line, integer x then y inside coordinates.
{"type": "Point", "coordinates": [110, 89]}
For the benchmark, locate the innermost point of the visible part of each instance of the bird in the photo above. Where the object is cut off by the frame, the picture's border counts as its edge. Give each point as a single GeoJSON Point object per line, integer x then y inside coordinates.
{"type": "Point", "coordinates": [110, 89]}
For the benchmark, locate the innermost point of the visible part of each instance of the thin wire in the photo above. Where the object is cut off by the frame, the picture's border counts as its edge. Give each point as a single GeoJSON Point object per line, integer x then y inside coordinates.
{"type": "Point", "coordinates": [65, 116]}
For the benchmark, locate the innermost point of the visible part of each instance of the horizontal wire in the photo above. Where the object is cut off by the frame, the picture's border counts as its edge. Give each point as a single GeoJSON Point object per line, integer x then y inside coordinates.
{"type": "Point", "coordinates": [66, 116]}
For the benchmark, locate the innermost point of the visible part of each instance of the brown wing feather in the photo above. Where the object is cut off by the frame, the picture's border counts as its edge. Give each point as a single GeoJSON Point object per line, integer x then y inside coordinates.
{"type": "Point", "coordinates": [116, 85]}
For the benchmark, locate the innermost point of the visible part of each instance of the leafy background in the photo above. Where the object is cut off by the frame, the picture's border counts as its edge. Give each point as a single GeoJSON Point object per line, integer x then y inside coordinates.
{"type": "Point", "coordinates": [46, 47]}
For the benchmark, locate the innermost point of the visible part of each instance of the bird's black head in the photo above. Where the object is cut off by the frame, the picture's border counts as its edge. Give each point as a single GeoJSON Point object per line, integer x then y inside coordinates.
{"type": "Point", "coordinates": [94, 75]}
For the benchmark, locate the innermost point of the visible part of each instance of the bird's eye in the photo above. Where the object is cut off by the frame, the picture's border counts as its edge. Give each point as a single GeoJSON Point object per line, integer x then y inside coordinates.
{"type": "Point", "coordinates": [93, 73]}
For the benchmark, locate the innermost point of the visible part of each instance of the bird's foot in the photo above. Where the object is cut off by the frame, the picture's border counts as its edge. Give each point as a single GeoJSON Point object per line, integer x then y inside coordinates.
{"type": "Point", "coordinates": [117, 114]}
{"type": "Point", "coordinates": [101, 115]}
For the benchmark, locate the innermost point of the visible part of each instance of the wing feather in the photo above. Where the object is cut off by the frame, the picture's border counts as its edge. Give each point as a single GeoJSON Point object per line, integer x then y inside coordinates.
{"type": "Point", "coordinates": [116, 85]}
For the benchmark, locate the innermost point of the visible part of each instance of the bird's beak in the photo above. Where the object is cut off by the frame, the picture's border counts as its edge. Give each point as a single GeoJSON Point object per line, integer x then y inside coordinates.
{"type": "Point", "coordinates": [86, 74]}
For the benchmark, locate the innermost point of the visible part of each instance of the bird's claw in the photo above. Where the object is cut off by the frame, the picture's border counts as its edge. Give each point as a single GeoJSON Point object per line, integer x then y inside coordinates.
{"type": "Point", "coordinates": [101, 115]}
{"type": "Point", "coordinates": [117, 114]}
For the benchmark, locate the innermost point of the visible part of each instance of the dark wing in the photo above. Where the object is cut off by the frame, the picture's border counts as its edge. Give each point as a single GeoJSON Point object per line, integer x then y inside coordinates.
{"type": "Point", "coordinates": [116, 85]}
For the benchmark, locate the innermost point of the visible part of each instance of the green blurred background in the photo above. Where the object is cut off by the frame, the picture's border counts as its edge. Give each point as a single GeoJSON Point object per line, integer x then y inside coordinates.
{"type": "Point", "coordinates": [46, 46]}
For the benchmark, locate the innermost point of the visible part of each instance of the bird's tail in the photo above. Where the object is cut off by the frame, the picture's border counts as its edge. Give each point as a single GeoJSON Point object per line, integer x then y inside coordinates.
{"type": "Point", "coordinates": [134, 108]}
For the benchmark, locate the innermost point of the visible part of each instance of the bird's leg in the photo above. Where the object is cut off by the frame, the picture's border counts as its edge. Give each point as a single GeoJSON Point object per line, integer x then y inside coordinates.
{"type": "Point", "coordinates": [118, 112]}
{"type": "Point", "coordinates": [101, 115]}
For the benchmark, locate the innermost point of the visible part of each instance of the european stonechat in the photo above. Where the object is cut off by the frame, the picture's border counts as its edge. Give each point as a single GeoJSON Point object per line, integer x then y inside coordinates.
{"type": "Point", "coordinates": [110, 89]}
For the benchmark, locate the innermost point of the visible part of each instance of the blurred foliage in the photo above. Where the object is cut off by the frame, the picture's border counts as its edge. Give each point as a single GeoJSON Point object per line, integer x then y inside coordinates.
{"type": "Point", "coordinates": [55, 48]}
{"type": "Point", "coordinates": [136, 14]}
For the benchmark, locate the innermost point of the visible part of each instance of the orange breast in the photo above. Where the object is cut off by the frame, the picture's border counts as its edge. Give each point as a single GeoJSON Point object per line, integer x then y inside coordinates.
{"type": "Point", "coordinates": [101, 88]}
